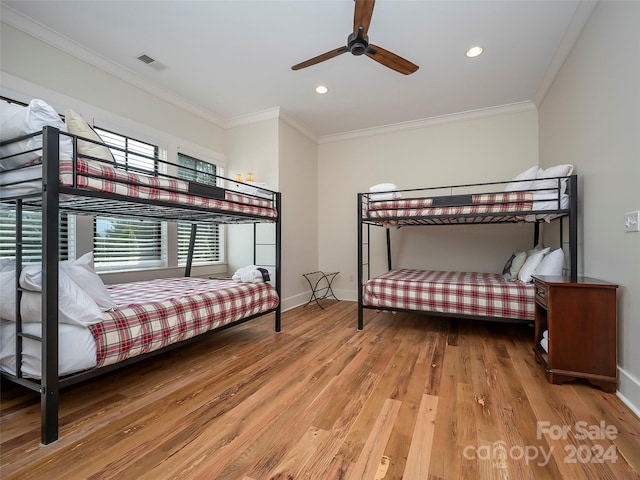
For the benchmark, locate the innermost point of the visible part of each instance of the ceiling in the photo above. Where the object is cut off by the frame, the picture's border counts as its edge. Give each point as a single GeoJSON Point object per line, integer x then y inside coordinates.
{"type": "Point", "coordinates": [227, 60]}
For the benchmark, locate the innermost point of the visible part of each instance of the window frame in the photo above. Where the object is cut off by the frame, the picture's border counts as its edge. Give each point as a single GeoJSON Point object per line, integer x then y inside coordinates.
{"type": "Point", "coordinates": [125, 154]}
{"type": "Point", "coordinates": [220, 233]}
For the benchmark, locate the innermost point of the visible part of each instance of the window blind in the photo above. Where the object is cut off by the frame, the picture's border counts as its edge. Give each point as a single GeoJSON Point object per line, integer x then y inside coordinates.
{"type": "Point", "coordinates": [209, 238]}
{"type": "Point", "coordinates": [124, 243]}
{"type": "Point", "coordinates": [31, 235]}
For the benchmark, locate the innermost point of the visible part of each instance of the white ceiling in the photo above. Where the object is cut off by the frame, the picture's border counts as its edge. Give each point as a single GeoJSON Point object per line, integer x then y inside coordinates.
{"type": "Point", "coordinates": [230, 59]}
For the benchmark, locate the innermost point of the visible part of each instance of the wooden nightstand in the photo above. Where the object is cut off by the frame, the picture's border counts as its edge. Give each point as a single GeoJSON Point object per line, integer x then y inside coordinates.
{"type": "Point", "coordinates": [582, 329]}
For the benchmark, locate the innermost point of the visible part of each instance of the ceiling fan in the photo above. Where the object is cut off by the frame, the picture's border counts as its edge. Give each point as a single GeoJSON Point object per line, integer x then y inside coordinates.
{"type": "Point", "coordinates": [358, 44]}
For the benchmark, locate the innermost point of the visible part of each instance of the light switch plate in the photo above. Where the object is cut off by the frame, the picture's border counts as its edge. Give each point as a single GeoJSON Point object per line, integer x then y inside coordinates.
{"type": "Point", "coordinates": [632, 222]}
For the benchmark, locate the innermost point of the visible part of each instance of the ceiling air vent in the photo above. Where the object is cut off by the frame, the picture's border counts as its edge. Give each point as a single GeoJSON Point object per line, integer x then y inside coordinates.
{"type": "Point", "coordinates": [146, 59]}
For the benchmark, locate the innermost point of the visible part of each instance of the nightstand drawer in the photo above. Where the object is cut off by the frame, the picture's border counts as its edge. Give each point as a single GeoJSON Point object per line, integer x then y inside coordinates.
{"type": "Point", "coordinates": [542, 292]}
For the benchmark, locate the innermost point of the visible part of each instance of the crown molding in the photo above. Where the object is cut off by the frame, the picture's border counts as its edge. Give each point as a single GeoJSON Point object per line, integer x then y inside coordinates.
{"type": "Point", "coordinates": [297, 125]}
{"type": "Point", "coordinates": [270, 114]}
{"type": "Point", "coordinates": [65, 44]}
{"type": "Point", "coordinates": [249, 118]}
{"type": "Point", "coordinates": [578, 21]}
{"type": "Point", "coordinates": [431, 121]}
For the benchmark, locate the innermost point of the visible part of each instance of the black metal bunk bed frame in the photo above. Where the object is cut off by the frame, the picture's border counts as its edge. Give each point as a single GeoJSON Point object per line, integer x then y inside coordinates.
{"type": "Point", "coordinates": [97, 203]}
{"type": "Point", "coordinates": [364, 254]}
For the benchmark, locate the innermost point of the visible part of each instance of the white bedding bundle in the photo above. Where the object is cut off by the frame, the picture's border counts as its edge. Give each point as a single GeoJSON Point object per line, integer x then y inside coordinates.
{"type": "Point", "coordinates": [250, 274]}
{"type": "Point", "coordinates": [544, 342]}
{"type": "Point", "coordinates": [82, 299]}
{"type": "Point", "coordinates": [384, 191]}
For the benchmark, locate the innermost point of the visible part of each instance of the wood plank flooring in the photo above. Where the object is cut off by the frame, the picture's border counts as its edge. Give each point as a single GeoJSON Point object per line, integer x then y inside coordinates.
{"type": "Point", "coordinates": [411, 396]}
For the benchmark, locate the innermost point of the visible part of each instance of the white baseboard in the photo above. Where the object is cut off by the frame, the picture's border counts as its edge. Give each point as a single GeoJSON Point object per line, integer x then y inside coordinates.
{"type": "Point", "coordinates": [629, 391]}
{"type": "Point", "coordinates": [348, 295]}
{"type": "Point", "coordinates": [290, 303]}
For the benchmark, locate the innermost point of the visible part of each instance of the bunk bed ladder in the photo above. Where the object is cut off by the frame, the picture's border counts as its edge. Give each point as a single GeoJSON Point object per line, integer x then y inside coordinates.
{"type": "Point", "coordinates": [192, 246]}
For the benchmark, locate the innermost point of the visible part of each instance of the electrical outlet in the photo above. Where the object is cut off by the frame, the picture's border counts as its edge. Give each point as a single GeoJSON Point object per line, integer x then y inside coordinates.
{"type": "Point", "coordinates": [632, 222]}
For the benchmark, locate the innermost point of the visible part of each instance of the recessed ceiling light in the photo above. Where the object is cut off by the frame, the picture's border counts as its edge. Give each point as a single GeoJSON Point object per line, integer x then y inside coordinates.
{"type": "Point", "coordinates": [321, 89]}
{"type": "Point", "coordinates": [474, 51]}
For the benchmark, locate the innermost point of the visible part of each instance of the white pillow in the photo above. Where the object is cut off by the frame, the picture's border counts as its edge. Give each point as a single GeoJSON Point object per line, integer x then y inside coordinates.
{"type": "Point", "coordinates": [534, 257]}
{"type": "Point", "coordinates": [22, 121]}
{"type": "Point", "coordinates": [383, 187]}
{"type": "Point", "coordinates": [7, 264]}
{"type": "Point", "coordinates": [82, 272]}
{"type": "Point", "coordinates": [551, 264]}
{"type": "Point", "coordinates": [75, 306]}
{"type": "Point", "coordinates": [529, 174]}
{"type": "Point", "coordinates": [387, 192]}
{"type": "Point", "coordinates": [552, 183]}
{"type": "Point", "coordinates": [79, 126]}
{"type": "Point", "coordinates": [7, 109]}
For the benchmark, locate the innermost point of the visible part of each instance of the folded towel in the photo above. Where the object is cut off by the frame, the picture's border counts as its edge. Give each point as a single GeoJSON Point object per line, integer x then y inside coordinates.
{"type": "Point", "coordinates": [253, 188]}
{"type": "Point", "coordinates": [251, 274]}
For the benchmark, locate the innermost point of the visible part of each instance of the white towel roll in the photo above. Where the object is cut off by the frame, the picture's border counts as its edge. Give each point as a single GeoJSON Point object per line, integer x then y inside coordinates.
{"type": "Point", "coordinates": [544, 343]}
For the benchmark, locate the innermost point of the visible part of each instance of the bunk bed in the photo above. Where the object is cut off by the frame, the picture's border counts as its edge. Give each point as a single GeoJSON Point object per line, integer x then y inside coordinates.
{"type": "Point", "coordinates": [532, 197]}
{"type": "Point", "coordinates": [55, 172]}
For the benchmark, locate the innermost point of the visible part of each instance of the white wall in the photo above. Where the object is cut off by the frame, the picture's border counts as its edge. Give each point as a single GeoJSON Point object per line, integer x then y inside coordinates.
{"type": "Point", "coordinates": [30, 59]}
{"type": "Point", "coordinates": [591, 118]}
{"type": "Point", "coordinates": [251, 148]}
{"type": "Point", "coordinates": [457, 150]}
{"type": "Point", "coordinates": [299, 187]}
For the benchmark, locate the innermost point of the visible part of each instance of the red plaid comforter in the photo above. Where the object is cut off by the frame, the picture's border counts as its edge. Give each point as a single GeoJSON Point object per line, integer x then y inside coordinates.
{"type": "Point", "coordinates": [488, 203]}
{"type": "Point", "coordinates": [153, 314]}
{"type": "Point", "coordinates": [461, 293]}
{"type": "Point", "coordinates": [98, 176]}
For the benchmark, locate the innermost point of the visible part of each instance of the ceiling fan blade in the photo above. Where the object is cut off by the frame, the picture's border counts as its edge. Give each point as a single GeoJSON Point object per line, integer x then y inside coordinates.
{"type": "Point", "coordinates": [321, 58]}
{"type": "Point", "coordinates": [391, 60]}
{"type": "Point", "coordinates": [362, 16]}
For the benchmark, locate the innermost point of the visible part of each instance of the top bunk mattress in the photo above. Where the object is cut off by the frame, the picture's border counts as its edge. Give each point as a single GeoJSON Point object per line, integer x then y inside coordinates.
{"type": "Point", "coordinates": [97, 178]}
{"type": "Point", "coordinates": [128, 188]}
{"type": "Point", "coordinates": [542, 196]}
{"type": "Point", "coordinates": [473, 208]}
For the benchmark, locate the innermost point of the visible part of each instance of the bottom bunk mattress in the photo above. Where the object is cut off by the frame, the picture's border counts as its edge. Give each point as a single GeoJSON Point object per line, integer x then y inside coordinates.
{"type": "Point", "coordinates": [149, 315]}
{"type": "Point", "coordinates": [451, 293]}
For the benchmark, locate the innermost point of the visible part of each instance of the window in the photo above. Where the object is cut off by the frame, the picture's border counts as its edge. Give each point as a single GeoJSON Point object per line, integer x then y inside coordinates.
{"type": "Point", "coordinates": [134, 154]}
{"type": "Point", "coordinates": [209, 237]}
{"type": "Point", "coordinates": [124, 243]}
{"type": "Point", "coordinates": [31, 235]}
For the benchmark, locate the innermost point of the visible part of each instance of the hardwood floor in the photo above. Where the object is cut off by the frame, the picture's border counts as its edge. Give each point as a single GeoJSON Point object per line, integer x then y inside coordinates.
{"type": "Point", "coordinates": [410, 397]}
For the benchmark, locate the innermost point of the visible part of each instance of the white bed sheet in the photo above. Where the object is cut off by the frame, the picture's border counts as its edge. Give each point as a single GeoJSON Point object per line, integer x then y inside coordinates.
{"type": "Point", "coordinates": [76, 351]}
{"type": "Point", "coordinates": [549, 201]}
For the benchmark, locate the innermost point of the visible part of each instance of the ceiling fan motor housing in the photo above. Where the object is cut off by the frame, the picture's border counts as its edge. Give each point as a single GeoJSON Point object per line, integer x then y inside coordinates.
{"type": "Point", "coordinates": [358, 43]}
